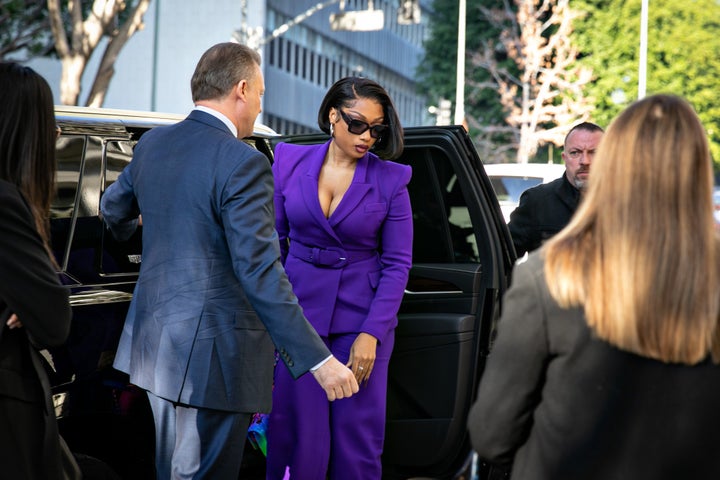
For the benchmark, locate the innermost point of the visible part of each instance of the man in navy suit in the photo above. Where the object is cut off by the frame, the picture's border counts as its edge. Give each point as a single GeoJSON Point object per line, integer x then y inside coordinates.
{"type": "Point", "coordinates": [212, 297]}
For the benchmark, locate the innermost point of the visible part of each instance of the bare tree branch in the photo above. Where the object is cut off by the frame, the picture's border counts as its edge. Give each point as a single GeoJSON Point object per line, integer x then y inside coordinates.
{"type": "Point", "coordinates": [57, 27]}
{"type": "Point", "coordinates": [547, 98]}
{"type": "Point", "coordinates": [112, 51]}
{"type": "Point", "coordinates": [24, 29]}
{"type": "Point", "coordinates": [85, 35]}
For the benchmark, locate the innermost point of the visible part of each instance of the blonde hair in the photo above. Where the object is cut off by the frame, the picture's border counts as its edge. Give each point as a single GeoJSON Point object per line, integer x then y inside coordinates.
{"type": "Point", "coordinates": [641, 253]}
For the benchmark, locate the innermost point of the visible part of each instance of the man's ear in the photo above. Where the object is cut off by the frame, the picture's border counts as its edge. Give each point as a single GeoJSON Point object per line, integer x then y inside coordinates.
{"type": "Point", "coordinates": [241, 89]}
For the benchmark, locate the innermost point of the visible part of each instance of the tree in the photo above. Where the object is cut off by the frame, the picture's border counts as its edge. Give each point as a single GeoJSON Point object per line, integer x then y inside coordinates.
{"type": "Point", "coordinates": [546, 96]}
{"type": "Point", "coordinates": [437, 73]}
{"type": "Point", "coordinates": [77, 39]}
{"type": "Point", "coordinates": [24, 29]}
{"type": "Point", "coordinates": [683, 55]}
{"type": "Point", "coordinates": [522, 87]}
{"type": "Point", "coordinates": [683, 58]}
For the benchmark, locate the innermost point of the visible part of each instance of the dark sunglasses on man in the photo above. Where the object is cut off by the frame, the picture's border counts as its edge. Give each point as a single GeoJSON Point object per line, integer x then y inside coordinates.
{"type": "Point", "coordinates": [358, 127]}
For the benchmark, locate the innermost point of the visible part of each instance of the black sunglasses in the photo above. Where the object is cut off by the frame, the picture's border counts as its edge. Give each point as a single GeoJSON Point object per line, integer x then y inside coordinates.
{"type": "Point", "coordinates": [358, 127]}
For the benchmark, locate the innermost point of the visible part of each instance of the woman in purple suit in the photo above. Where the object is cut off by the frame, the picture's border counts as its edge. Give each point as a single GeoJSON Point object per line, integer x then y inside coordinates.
{"type": "Point", "coordinates": [345, 225]}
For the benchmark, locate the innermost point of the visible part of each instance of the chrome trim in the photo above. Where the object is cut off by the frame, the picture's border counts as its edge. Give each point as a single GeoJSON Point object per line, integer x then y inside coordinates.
{"type": "Point", "coordinates": [440, 292]}
{"type": "Point", "coordinates": [99, 297]}
{"type": "Point", "coordinates": [115, 115]}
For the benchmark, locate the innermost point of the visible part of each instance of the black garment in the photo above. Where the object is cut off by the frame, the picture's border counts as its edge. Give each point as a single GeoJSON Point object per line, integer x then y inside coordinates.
{"type": "Point", "coordinates": [543, 211]}
{"type": "Point", "coordinates": [29, 287]}
{"type": "Point", "coordinates": [561, 404]}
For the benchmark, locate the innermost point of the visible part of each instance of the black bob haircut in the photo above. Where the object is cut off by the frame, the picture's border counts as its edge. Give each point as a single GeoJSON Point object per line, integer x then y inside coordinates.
{"type": "Point", "coordinates": [345, 91]}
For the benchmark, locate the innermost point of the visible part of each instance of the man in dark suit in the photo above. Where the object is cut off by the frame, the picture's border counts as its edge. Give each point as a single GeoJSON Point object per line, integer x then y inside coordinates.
{"type": "Point", "coordinates": [544, 210]}
{"type": "Point", "coordinates": [212, 297]}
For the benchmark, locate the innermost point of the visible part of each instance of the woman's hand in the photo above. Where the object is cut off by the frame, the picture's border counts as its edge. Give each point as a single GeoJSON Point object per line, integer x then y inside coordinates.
{"type": "Point", "coordinates": [362, 356]}
{"type": "Point", "coordinates": [13, 322]}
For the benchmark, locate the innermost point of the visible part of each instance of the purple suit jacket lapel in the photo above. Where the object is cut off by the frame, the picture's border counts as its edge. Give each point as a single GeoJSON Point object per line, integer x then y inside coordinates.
{"type": "Point", "coordinates": [309, 188]}
{"type": "Point", "coordinates": [359, 187]}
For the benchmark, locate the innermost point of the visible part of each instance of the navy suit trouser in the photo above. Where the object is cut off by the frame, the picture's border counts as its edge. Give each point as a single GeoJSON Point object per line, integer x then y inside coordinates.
{"type": "Point", "coordinates": [197, 443]}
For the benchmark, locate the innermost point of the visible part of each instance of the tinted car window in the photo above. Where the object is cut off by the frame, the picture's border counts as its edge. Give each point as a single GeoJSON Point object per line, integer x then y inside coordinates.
{"type": "Point", "coordinates": [510, 188]}
{"type": "Point", "coordinates": [430, 237]}
{"type": "Point", "coordinates": [69, 154]}
{"type": "Point", "coordinates": [119, 258]}
{"type": "Point", "coordinates": [443, 229]}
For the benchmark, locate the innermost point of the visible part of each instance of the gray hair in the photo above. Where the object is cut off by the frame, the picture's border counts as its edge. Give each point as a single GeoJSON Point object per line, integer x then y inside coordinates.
{"type": "Point", "coordinates": [220, 68]}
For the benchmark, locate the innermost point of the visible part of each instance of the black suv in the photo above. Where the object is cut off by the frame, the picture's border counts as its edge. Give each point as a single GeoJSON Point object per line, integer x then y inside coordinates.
{"type": "Point", "coordinates": [462, 257]}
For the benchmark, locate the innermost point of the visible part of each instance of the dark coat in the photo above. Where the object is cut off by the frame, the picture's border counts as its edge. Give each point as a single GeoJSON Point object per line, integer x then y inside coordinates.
{"type": "Point", "coordinates": [565, 405]}
{"type": "Point", "coordinates": [542, 212]}
{"type": "Point", "coordinates": [212, 290]}
{"type": "Point", "coordinates": [29, 287]}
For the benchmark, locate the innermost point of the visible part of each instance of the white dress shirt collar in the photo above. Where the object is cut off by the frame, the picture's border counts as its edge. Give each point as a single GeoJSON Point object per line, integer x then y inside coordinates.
{"type": "Point", "coordinates": [219, 116]}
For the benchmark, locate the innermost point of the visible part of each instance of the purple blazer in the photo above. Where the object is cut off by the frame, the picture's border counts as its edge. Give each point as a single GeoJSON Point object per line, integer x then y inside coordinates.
{"type": "Point", "coordinates": [348, 271]}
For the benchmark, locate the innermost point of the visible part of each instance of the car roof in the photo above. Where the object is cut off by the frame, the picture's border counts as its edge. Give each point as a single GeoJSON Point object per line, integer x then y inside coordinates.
{"type": "Point", "coordinates": [546, 171]}
{"type": "Point", "coordinates": [133, 118]}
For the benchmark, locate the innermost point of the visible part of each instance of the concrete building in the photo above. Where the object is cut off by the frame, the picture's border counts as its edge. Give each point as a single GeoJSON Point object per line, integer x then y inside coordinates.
{"type": "Point", "coordinates": [154, 69]}
{"type": "Point", "coordinates": [302, 64]}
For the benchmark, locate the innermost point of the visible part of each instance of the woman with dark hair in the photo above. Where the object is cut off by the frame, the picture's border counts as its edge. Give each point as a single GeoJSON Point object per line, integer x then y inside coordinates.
{"type": "Point", "coordinates": [34, 307]}
{"type": "Point", "coordinates": [606, 363]}
{"type": "Point", "coordinates": [345, 226]}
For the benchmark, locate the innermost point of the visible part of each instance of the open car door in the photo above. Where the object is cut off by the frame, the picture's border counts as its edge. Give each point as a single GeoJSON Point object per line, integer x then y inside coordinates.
{"type": "Point", "coordinates": [462, 257]}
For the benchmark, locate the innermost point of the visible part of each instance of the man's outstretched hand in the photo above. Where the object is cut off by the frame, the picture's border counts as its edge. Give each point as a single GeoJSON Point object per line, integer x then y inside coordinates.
{"type": "Point", "coordinates": [336, 379]}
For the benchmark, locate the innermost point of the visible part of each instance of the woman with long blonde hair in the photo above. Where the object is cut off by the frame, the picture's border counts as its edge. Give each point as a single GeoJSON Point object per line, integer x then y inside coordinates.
{"type": "Point", "coordinates": [605, 365]}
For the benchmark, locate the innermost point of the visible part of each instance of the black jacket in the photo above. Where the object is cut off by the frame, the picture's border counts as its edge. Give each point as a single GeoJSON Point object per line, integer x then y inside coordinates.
{"type": "Point", "coordinates": [560, 404]}
{"type": "Point", "coordinates": [543, 211]}
{"type": "Point", "coordinates": [29, 287]}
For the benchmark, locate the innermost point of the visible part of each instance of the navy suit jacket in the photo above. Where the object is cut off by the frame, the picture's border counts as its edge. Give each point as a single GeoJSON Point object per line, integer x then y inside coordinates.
{"type": "Point", "coordinates": [211, 285]}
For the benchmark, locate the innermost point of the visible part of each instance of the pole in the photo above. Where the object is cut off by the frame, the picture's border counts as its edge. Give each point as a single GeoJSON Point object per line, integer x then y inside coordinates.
{"type": "Point", "coordinates": [243, 22]}
{"type": "Point", "coordinates": [156, 39]}
{"type": "Point", "coordinates": [642, 67]}
{"type": "Point", "coordinates": [460, 83]}
{"type": "Point", "coordinates": [252, 36]}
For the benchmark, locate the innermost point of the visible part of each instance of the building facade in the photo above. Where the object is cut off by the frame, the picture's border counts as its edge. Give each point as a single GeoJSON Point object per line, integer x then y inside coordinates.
{"type": "Point", "coordinates": [154, 69]}
{"type": "Point", "coordinates": [309, 57]}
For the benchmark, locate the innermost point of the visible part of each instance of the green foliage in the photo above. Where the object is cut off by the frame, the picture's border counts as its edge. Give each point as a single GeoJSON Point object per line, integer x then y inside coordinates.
{"type": "Point", "coordinates": [437, 71]}
{"type": "Point", "coordinates": [683, 55]}
{"type": "Point", "coordinates": [24, 29]}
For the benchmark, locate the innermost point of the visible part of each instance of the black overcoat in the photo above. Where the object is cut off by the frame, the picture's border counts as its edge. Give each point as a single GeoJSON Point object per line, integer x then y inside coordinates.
{"type": "Point", "coordinates": [542, 212]}
{"type": "Point", "coordinates": [560, 404]}
{"type": "Point", "coordinates": [29, 287]}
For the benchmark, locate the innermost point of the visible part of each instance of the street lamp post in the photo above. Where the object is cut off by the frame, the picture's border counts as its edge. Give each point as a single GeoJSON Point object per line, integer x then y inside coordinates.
{"type": "Point", "coordinates": [460, 80]}
{"type": "Point", "coordinates": [642, 67]}
{"type": "Point", "coordinates": [254, 37]}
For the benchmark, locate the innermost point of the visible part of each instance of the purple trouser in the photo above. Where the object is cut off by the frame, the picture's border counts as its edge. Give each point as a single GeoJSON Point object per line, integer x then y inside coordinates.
{"type": "Point", "coordinates": [318, 439]}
